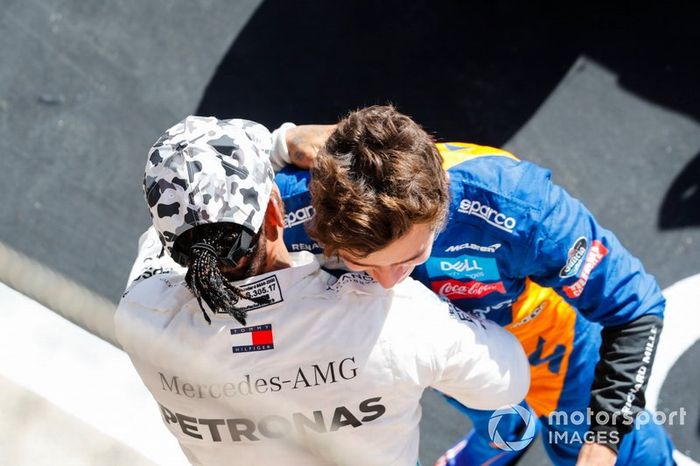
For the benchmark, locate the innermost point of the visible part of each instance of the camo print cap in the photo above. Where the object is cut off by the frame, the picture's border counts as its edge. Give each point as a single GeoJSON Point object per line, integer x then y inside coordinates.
{"type": "Point", "coordinates": [205, 170]}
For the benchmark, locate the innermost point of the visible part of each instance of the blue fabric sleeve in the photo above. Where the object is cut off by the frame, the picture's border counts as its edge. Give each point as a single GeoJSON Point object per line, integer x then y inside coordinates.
{"type": "Point", "coordinates": [587, 265]}
{"type": "Point", "coordinates": [293, 186]}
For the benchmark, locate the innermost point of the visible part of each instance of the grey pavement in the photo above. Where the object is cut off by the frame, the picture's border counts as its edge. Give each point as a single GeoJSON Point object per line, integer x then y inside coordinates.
{"type": "Point", "coordinates": [619, 153]}
{"type": "Point", "coordinates": [85, 88]}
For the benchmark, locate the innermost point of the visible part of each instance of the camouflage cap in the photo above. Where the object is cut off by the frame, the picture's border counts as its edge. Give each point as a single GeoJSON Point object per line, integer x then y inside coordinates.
{"type": "Point", "coordinates": [205, 170]}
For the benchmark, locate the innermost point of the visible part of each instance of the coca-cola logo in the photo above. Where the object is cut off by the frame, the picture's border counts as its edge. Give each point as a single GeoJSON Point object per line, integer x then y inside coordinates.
{"type": "Point", "coordinates": [461, 290]}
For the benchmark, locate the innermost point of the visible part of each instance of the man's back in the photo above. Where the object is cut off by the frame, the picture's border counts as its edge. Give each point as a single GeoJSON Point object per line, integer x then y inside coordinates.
{"type": "Point", "coordinates": [329, 371]}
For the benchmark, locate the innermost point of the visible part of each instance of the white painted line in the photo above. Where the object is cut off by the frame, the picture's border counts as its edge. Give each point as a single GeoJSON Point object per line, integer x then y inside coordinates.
{"type": "Point", "coordinates": [681, 331]}
{"type": "Point", "coordinates": [83, 375]}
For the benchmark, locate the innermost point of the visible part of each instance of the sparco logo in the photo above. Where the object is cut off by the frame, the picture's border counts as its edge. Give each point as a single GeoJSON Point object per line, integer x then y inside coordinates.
{"type": "Point", "coordinates": [530, 316]}
{"type": "Point", "coordinates": [494, 307]}
{"type": "Point", "coordinates": [489, 215]}
{"type": "Point", "coordinates": [298, 217]}
{"type": "Point", "coordinates": [574, 258]}
{"type": "Point", "coordinates": [460, 290]}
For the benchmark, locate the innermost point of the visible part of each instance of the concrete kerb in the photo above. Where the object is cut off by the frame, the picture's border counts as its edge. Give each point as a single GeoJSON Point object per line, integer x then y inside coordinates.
{"type": "Point", "coordinates": [70, 300]}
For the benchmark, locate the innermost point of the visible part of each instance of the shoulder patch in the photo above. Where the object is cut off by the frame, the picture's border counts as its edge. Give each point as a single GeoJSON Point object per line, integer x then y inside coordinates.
{"type": "Point", "coordinates": [161, 291]}
{"type": "Point", "coordinates": [357, 281]}
{"type": "Point", "coordinates": [267, 288]}
{"type": "Point", "coordinates": [464, 316]}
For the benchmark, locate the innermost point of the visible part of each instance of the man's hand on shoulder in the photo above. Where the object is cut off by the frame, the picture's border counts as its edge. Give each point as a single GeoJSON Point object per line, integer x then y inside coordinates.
{"type": "Point", "coordinates": [304, 142]}
{"type": "Point", "coordinates": [595, 454]}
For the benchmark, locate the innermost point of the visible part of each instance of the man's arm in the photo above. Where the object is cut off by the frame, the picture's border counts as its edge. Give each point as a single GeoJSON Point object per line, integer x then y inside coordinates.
{"type": "Point", "coordinates": [298, 145]}
{"type": "Point", "coordinates": [590, 268]}
{"type": "Point", "coordinates": [480, 364]}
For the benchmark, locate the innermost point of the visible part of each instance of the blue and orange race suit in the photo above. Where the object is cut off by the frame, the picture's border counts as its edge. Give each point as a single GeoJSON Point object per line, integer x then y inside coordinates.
{"type": "Point", "coordinates": [519, 250]}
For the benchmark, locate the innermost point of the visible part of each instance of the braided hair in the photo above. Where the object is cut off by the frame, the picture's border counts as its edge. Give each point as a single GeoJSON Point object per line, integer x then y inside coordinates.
{"type": "Point", "coordinates": [208, 278]}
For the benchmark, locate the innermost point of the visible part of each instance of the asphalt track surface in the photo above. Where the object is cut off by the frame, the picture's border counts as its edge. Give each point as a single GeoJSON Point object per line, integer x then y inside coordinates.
{"type": "Point", "coordinates": [604, 96]}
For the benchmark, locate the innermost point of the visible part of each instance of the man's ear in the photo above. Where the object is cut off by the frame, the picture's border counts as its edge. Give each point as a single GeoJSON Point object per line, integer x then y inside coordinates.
{"type": "Point", "coordinates": [274, 218]}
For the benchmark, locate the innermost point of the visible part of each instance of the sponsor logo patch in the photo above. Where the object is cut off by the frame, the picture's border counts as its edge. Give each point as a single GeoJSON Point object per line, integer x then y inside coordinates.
{"type": "Point", "coordinates": [314, 247]}
{"type": "Point", "coordinates": [151, 272]}
{"type": "Point", "coordinates": [475, 247]}
{"type": "Point", "coordinates": [454, 289]}
{"type": "Point", "coordinates": [476, 268]}
{"type": "Point", "coordinates": [268, 288]}
{"type": "Point", "coordinates": [255, 338]}
{"type": "Point", "coordinates": [298, 217]}
{"type": "Point", "coordinates": [530, 316]}
{"type": "Point", "coordinates": [465, 316]}
{"type": "Point", "coordinates": [487, 214]}
{"type": "Point", "coordinates": [574, 258]}
{"type": "Point", "coordinates": [494, 307]}
{"type": "Point", "coordinates": [291, 378]}
{"type": "Point", "coordinates": [350, 280]}
{"type": "Point", "coordinates": [596, 254]}
{"type": "Point", "coordinates": [317, 420]}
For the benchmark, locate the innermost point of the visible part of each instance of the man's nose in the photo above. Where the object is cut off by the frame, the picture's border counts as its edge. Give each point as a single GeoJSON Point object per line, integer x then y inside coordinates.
{"type": "Point", "coordinates": [390, 276]}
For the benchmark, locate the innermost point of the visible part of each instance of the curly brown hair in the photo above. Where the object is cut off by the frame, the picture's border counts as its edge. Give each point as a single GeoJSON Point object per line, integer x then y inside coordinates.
{"type": "Point", "coordinates": [378, 174]}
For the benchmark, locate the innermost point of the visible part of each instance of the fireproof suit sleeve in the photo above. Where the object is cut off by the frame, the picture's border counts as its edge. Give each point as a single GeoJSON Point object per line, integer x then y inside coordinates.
{"type": "Point", "coordinates": [293, 185]}
{"type": "Point", "coordinates": [483, 366]}
{"type": "Point", "coordinates": [626, 356]}
{"type": "Point", "coordinates": [588, 266]}
{"type": "Point", "coordinates": [279, 156]}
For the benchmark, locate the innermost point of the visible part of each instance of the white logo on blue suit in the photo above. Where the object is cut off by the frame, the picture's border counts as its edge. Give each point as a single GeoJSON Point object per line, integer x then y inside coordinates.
{"type": "Point", "coordinates": [474, 268]}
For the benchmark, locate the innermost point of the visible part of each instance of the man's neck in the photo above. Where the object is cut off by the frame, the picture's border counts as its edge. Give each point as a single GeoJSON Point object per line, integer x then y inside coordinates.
{"type": "Point", "coordinates": [278, 257]}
